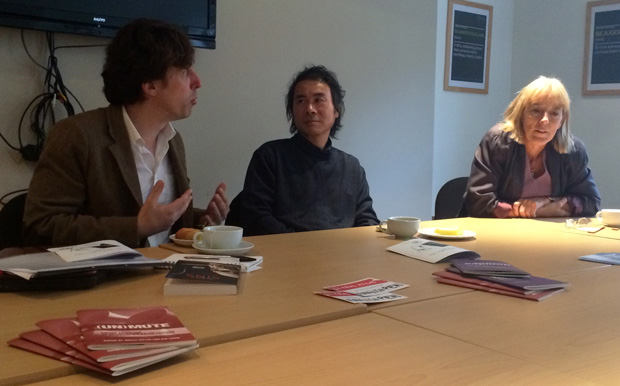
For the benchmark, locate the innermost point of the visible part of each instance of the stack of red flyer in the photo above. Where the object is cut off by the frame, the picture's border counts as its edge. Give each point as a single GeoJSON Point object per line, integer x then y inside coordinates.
{"type": "Point", "coordinates": [110, 341]}
{"type": "Point", "coordinates": [369, 290]}
{"type": "Point", "coordinates": [500, 278]}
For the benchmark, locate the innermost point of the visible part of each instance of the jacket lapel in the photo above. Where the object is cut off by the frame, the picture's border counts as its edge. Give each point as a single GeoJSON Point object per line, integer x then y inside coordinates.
{"type": "Point", "coordinates": [122, 152]}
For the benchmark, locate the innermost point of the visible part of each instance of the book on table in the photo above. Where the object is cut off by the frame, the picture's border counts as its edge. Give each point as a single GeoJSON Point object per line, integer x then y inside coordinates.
{"type": "Point", "coordinates": [51, 353]}
{"type": "Point", "coordinates": [431, 251]}
{"type": "Point", "coordinates": [537, 296]}
{"type": "Point", "coordinates": [487, 268]}
{"type": "Point", "coordinates": [538, 288]}
{"type": "Point", "coordinates": [528, 283]}
{"type": "Point", "coordinates": [247, 263]}
{"type": "Point", "coordinates": [68, 331]}
{"type": "Point", "coordinates": [130, 328]}
{"type": "Point", "coordinates": [132, 338]}
{"type": "Point", "coordinates": [451, 274]}
{"type": "Point", "coordinates": [202, 278]}
{"type": "Point", "coordinates": [40, 342]}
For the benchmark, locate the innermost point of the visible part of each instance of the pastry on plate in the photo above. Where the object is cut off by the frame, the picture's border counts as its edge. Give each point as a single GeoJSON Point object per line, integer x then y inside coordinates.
{"type": "Point", "coordinates": [186, 233]}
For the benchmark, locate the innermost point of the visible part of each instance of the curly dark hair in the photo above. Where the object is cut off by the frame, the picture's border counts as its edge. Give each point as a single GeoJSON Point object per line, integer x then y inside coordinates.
{"type": "Point", "coordinates": [323, 75]}
{"type": "Point", "coordinates": [142, 51]}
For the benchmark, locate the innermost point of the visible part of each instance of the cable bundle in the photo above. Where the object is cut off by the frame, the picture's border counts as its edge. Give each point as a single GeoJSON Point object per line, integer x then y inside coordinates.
{"type": "Point", "coordinates": [41, 108]}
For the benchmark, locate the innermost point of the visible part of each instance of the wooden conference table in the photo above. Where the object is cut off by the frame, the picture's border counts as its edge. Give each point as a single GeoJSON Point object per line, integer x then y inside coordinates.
{"type": "Point", "coordinates": [276, 331]}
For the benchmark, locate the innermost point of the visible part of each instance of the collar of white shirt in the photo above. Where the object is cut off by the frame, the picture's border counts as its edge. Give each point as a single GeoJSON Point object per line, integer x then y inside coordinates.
{"type": "Point", "coordinates": [153, 167]}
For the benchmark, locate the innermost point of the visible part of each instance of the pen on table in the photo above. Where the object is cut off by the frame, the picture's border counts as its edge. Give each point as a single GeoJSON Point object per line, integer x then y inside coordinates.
{"type": "Point", "coordinates": [240, 257]}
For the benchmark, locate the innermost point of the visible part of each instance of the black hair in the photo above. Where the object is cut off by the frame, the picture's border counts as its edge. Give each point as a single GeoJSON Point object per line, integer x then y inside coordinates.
{"type": "Point", "coordinates": [142, 51]}
{"type": "Point", "coordinates": [323, 75]}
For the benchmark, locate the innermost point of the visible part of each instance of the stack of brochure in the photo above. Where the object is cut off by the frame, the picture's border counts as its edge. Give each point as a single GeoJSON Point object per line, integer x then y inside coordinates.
{"type": "Point", "coordinates": [367, 290]}
{"type": "Point", "coordinates": [499, 277]}
{"type": "Point", "coordinates": [110, 341]}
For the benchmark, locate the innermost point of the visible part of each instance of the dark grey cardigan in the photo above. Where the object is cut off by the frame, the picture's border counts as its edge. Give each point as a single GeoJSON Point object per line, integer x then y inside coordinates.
{"type": "Point", "coordinates": [499, 165]}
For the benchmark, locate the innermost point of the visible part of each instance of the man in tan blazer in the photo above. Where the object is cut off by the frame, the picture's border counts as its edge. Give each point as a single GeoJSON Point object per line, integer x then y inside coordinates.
{"type": "Point", "coordinates": [120, 172]}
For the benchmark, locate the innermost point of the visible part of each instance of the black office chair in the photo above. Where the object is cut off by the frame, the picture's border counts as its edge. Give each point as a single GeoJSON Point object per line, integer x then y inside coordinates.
{"type": "Point", "coordinates": [449, 200]}
{"type": "Point", "coordinates": [11, 226]}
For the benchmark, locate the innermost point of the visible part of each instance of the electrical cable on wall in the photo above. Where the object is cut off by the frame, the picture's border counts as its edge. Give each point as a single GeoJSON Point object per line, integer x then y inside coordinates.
{"type": "Point", "coordinates": [41, 108]}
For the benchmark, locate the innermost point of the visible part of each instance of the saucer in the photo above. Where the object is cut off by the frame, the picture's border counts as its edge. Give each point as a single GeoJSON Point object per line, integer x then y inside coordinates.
{"type": "Point", "coordinates": [181, 242]}
{"type": "Point", "coordinates": [430, 232]}
{"type": "Point", "coordinates": [243, 248]}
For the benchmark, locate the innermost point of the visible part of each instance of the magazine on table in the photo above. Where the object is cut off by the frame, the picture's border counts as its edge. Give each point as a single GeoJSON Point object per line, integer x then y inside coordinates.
{"type": "Point", "coordinates": [431, 251]}
{"type": "Point", "coordinates": [95, 250]}
{"type": "Point", "coordinates": [605, 258]}
{"type": "Point", "coordinates": [48, 263]}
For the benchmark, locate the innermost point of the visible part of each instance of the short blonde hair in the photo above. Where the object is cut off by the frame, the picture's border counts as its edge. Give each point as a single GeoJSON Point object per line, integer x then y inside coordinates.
{"type": "Point", "coordinates": [541, 89]}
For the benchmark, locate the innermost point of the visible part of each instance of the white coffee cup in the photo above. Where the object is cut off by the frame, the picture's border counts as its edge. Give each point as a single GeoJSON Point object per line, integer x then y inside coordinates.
{"type": "Point", "coordinates": [609, 217]}
{"type": "Point", "coordinates": [219, 237]}
{"type": "Point", "coordinates": [402, 227]}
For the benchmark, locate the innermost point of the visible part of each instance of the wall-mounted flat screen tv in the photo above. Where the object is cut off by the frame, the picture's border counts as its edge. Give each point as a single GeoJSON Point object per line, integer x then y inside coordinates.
{"type": "Point", "coordinates": [104, 17]}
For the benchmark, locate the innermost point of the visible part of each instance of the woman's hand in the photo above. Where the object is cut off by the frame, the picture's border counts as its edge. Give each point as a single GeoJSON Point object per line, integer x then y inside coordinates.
{"type": "Point", "coordinates": [557, 208]}
{"type": "Point", "coordinates": [540, 207]}
{"type": "Point", "coordinates": [527, 207]}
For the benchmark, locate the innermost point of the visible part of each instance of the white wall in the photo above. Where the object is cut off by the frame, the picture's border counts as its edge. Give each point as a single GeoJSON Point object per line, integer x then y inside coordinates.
{"type": "Point", "coordinates": [383, 53]}
{"type": "Point", "coordinates": [461, 119]}
{"type": "Point", "coordinates": [549, 40]}
{"type": "Point", "coordinates": [409, 134]}
{"type": "Point", "coordinates": [21, 81]}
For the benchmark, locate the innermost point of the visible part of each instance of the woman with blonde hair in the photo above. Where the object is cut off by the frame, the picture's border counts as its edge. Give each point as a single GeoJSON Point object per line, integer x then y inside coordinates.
{"type": "Point", "coordinates": [530, 165]}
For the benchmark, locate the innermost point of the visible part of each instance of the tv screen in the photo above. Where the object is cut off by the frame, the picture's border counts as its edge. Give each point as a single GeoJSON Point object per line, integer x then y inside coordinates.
{"type": "Point", "coordinates": [104, 17]}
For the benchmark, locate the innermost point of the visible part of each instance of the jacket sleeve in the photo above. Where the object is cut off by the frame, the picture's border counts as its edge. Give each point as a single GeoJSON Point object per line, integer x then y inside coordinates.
{"type": "Point", "coordinates": [481, 196]}
{"type": "Point", "coordinates": [580, 187]}
{"type": "Point", "coordinates": [365, 214]}
{"type": "Point", "coordinates": [55, 211]}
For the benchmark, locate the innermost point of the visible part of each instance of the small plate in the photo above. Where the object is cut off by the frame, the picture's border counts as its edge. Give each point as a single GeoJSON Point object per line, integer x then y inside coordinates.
{"type": "Point", "coordinates": [181, 242]}
{"type": "Point", "coordinates": [430, 232]}
{"type": "Point", "coordinates": [243, 248]}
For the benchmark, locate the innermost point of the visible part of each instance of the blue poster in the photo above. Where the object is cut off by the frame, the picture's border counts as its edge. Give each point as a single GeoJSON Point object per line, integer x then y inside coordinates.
{"type": "Point", "coordinates": [606, 48]}
{"type": "Point", "coordinates": [468, 47]}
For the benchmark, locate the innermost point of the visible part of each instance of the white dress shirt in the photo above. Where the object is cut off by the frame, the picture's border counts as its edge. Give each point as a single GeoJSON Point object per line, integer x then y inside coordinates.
{"type": "Point", "coordinates": [152, 168]}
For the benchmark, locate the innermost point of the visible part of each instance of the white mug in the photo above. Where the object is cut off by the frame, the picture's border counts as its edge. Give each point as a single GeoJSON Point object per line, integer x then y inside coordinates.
{"type": "Point", "coordinates": [219, 237]}
{"type": "Point", "coordinates": [402, 227]}
{"type": "Point", "coordinates": [609, 217]}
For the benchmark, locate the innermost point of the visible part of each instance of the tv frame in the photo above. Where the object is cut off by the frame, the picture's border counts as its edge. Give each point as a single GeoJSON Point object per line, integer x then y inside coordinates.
{"type": "Point", "coordinates": [50, 17]}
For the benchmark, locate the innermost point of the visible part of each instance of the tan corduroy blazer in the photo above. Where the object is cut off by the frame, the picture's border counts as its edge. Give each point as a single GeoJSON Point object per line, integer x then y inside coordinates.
{"type": "Point", "coordinates": [85, 186]}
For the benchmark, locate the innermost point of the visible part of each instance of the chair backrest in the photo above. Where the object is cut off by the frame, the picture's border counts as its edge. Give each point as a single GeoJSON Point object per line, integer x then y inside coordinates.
{"type": "Point", "coordinates": [11, 226]}
{"type": "Point", "coordinates": [449, 199]}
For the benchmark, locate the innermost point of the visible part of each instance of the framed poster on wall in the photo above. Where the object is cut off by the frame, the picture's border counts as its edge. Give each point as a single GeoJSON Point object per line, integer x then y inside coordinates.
{"type": "Point", "coordinates": [468, 47]}
{"type": "Point", "coordinates": [601, 70]}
